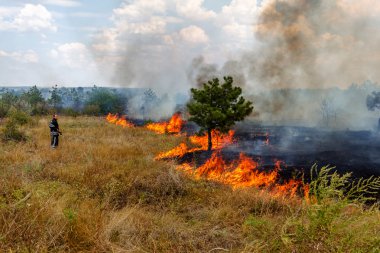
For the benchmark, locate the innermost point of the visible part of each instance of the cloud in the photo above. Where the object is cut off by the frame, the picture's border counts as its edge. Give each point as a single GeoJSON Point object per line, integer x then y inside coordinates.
{"type": "Point", "coordinates": [29, 18]}
{"type": "Point", "coordinates": [73, 55]}
{"type": "Point", "coordinates": [238, 18]}
{"type": "Point", "coordinates": [193, 10]}
{"type": "Point", "coordinates": [28, 56]}
{"type": "Point", "coordinates": [194, 34]}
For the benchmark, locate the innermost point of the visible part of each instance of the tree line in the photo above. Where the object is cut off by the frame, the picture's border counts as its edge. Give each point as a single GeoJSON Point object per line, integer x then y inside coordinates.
{"type": "Point", "coordinates": [67, 101]}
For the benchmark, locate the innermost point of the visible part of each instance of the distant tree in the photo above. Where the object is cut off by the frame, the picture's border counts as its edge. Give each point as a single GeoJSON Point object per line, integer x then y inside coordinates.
{"type": "Point", "coordinates": [373, 103]}
{"type": "Point", "coordinates": [34, 98]}
{"type": "Point", "coordinates": [106, 101]}
{"type": "Point", "coordinates": [55, 99]}
{"type": "Point", "coordinates": [218, 106]}
{"type": "Point", "coordinates": [7, 100]}
{"type": "Point", "coordinates": [76, 101]}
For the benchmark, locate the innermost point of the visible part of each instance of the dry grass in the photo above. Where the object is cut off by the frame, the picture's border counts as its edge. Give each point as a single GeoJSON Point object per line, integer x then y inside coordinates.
{"type": "Point", "coordinates": [102, 191]}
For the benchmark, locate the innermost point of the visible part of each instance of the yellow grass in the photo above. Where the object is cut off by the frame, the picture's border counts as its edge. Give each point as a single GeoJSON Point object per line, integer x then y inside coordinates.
{"type": "Point", "coordinates": [102, 191]}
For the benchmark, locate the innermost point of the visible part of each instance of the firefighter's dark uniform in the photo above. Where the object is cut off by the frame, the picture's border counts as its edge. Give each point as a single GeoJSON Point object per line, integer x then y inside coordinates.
{"type": "Point", "coordinates": [54, 132]}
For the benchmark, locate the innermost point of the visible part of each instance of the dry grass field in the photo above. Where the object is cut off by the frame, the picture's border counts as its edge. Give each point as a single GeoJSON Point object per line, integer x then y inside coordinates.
{"type": "Point", "coordinates": [102, 191]}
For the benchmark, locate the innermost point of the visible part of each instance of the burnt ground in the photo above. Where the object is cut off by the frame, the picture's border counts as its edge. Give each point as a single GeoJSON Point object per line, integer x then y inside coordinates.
{"type": "Point", "coordinates": [301, 147]}
{"type": "Point", "coordinates": [349, 151]}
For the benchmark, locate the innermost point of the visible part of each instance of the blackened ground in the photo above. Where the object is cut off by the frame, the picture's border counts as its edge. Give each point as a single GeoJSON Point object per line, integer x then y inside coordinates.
{"type": "Point", "coordinates": [300, 147]}
{"type": "Point", "coordinates": [349, 151]}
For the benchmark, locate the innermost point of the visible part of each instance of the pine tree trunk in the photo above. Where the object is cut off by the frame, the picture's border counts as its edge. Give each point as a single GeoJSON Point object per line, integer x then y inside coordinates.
{"type": "Point", "coordinates": [209, 140]}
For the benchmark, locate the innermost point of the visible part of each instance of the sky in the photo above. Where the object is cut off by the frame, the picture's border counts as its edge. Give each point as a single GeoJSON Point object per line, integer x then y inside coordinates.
{"type": "Point", "coordinates": [87, 42]}
{"type": "Point", "coordinates": [160, 43]}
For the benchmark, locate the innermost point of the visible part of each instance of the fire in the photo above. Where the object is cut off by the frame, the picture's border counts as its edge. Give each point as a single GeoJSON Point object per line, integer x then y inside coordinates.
{"type": "Point", "coordinates": [178, 151]}
{"type": "Point", "coordinates": [114, 119]}
{"type": "Point", "coordinates": [247, 174]}
{"type": "Point", "coordinates": [213, 169]}
{"type": "Point", "coordinates": [243, 173]}
{"type": "Point", "coordinates": [174, 126]}
{"type": "Point", "coordinates": [219, 141]}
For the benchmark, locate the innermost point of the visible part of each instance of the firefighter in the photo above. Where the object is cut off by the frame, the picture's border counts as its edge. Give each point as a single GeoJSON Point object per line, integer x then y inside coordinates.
{"type": "Point", "coordinates": [54, 131]}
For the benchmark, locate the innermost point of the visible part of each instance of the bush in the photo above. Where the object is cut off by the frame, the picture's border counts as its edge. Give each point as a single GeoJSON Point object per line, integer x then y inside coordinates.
{"type": "Point", "coordinates": [327, 185]}
{"type": "Point", "coordinates": [335, 202]}
{"type": "Point", "coordinates": [70, 112]}
{"type": "Point", "coordinates": [106, 101]}
{"type": "Point", "coordinates": [11, 132]}
{"type": "Point", "coordinates": [93, 110]}
{"type": "Point", "coordinates": [15, 118]}
{"type": "Point", "coordinates": [18, 117]}
{"type": "Point", "coordinates": [3, 111]}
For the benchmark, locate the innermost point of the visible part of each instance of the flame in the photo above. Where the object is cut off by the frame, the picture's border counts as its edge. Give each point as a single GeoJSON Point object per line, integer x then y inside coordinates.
{"type": "Point", "coordinates": [247, 174]}
{"type": "Point", "coordinates": [219, 140]}
{"type": "Point", "coordinates": [213, 169]}
{"type": "Point", "coordinates": [178, 151]}
{"type": "Point", "coordinates": [114, 119]}
{"type": "Point", "coordinates": [174, 126]}
{"type": "Point", "coordinates": [243, 173]}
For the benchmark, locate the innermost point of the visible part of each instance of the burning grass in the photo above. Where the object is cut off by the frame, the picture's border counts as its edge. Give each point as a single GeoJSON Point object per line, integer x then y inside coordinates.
{"type": "Point", "coordinates": [103, 191]}
{"type": "Point", "coordinates": [173, 126]}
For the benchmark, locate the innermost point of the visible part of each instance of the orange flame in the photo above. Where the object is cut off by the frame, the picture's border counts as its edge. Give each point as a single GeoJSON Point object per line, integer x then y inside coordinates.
{"type": "Point", "coordinates": [219, 141]}
{"type": "Point", "coordinates": [178, 151]}
{"type": "Point", "coordinates": [247, 174]}
{"type": "Point", "coordinates": [114, 119]}
{"type": "Point", "coordinates": [213, 169]}
{"type": "Point", "coordinates": [242, 173]}
{"type": "Point", "coordinates": [174, 125]}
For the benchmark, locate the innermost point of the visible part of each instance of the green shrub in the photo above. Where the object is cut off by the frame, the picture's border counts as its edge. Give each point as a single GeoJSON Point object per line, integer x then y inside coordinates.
{"type": "Point", "coordinates": [3, 110]}
{"type": "Point", "coordinates": [336, 203]}
{"type": "Point", "coordinates": [327, 185]}
{"type": "Point", "coordinates": [70, 112]}
{"type": "Point", "coordinates": [11, 132]}
{"type": "Point", "coordinates": [93, 110]}
{"type": "Point", "coordinates": [15, 118]}
{"type": "Point", "coordinates": [18, 117]}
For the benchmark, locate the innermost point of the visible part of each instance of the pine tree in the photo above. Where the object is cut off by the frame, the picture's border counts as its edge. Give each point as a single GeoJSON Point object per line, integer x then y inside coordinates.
{"type": "Point", "coordinates": [218, 106]}
{"type": "Point", "coordinates": [55, 99]}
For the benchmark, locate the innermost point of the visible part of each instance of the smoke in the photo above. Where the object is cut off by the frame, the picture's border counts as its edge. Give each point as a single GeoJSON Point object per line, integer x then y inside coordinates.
{"type": "Point", "coordinates": [200, 72]}
{"type": "Point", "coordinates": [311, 44]}
{"type": "Point", "coordinates": [314, 44]}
